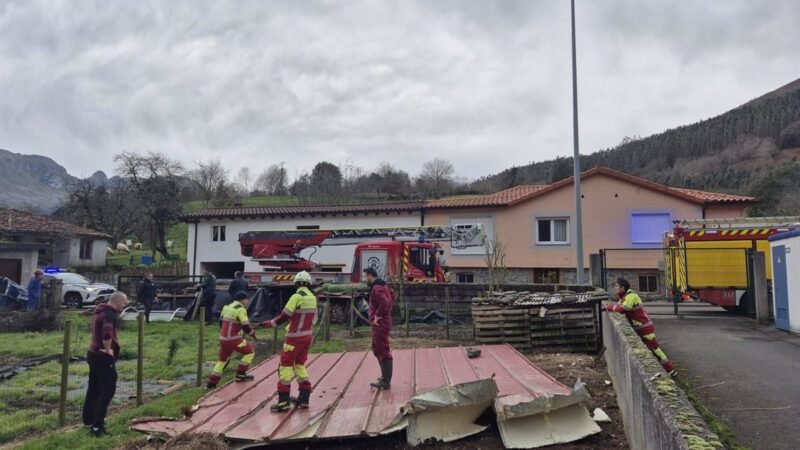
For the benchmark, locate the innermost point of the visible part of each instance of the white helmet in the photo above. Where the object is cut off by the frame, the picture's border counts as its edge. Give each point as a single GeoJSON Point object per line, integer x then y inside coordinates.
{"type": "Point", "coordinates": [302, 277]}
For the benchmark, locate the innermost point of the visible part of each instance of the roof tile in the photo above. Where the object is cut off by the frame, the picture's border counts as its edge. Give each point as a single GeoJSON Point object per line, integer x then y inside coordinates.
{"type": "Point", "coordinates": [279, 211]}
{"type": "Point", "coordinates": [14, 221]}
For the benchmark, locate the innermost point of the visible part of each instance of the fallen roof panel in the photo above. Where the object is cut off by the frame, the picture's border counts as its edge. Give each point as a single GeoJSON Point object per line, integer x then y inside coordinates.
{"type": "Point", "coordinates": [436, 393]}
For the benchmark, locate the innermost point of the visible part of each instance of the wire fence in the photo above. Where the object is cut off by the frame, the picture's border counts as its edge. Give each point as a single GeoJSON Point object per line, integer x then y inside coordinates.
{"type": "Point", "coordinates": [46, 376]}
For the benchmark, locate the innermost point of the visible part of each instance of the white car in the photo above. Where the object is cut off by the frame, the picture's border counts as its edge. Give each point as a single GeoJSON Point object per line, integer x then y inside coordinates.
{"type": "Point", "coordinates": [79, 291]}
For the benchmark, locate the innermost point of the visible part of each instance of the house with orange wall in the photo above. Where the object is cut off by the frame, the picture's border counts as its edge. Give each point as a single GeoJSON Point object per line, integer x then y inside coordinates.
{"type": "Point", "coordinates": [536, 222]}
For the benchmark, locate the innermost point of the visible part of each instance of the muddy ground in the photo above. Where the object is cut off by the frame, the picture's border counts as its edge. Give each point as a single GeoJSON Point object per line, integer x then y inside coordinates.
{"type": "Point", "coordinates": [566, 368]}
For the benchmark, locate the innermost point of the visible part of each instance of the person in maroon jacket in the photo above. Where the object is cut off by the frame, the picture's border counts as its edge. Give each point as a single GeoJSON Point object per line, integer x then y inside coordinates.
{"type": "Point", "coordinates": [381, 299]}
{"type": "Point", "coordinates": [102, 356]}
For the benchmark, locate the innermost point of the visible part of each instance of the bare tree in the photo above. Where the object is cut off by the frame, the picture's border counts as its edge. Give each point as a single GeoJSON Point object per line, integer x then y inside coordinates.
{"type": "Point", "coordinates": [208, 175]}
{"type": "Point", "coordinates": [245, 178]}
{"type": "Point", "coordinates": [155, 186]}
{"type": "Point", "coordinates": [109, 207]}
{"type": "Point", "coordinates": [273, 181]}
{"type": "Point", "coordinates": [226, 194]}
{"type": "Point", "coordinates": [495, 258]}
{"type": "Point", "coordinates": [436, 178]}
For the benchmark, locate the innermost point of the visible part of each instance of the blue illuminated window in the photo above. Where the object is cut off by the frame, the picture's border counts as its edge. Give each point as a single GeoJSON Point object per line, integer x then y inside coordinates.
{"type": "Point", "coordinates": [649, 228]}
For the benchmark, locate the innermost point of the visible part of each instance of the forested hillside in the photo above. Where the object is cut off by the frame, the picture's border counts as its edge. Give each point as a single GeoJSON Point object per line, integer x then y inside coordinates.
{"type": "Point", "coordinates": [752, 149]}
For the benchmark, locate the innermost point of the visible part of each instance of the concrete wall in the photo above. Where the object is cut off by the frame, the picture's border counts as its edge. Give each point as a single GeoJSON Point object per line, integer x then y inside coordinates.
{"type": "Point", "coordinates": [725, 211]}
{"type": "Point", "coordinates": [98, 258]}
{"type": "Point", "coordinates": [229, 251]}
{"type": "Point", "coordinates": [29, 262]}
{"type": "Point", "coordinates": [656, 412]}
{"type": "Point", "coordinates": [607, 207]}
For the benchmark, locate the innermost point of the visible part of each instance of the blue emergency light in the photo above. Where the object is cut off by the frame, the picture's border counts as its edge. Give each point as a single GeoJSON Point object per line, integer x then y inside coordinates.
{"type": "Point", "coordinates": [51, 269]}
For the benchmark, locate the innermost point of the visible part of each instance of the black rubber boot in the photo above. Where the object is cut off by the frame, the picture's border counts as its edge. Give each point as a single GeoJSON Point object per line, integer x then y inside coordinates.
{"type": "Point", "coordinates": [301, 401]}
{"type": "Point", "coordinates": [387, 375]}
{"type": "Point", "coordinates": [385, 381]}
{"type": "Point", "coordinates": [243, 376]}
{"type": "Point", "coordinates": [284, 403]}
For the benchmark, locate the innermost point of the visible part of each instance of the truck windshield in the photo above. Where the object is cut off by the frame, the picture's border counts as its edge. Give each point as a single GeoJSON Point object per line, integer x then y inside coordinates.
{"type": "Point", "coordinates": [424, 259]}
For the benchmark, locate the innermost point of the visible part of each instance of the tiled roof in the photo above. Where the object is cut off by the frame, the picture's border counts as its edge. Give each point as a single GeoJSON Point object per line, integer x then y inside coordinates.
{"type": "Point", "coordinates": [13, 221]}
{"type": "Point", "coordinates": [518, 194]}
{"type": "Point", "coordinates": [502, 198]}
{"type": "Point", "coordinates": [250, 212]}
{"type": "Point", "coordinates": [715, 197]}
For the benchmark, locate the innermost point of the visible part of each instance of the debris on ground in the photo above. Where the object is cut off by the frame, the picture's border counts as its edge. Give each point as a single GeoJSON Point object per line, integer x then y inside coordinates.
{"type": "Point", "coordinates": [205, 441]}
{"type": "Point", "coordinates": [600, 416]}
{"type": "Point", "coordinates": [439, 392]}
{"type": "Point", "coordinates": [526, 298]}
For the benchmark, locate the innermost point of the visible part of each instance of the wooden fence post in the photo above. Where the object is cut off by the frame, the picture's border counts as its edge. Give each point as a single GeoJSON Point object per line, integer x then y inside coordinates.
{"type": "Point", "coordinates": [201, 346]}
{"type": "Point", "coordinates": [447, 311]}
{"type": "Point", "coordinates": [350, 311]}
{"type": "Point", "coordinates": [140, 359]}
{"type": "Point", "coordinates": [275, 340]}
{"type": "Point", "coordinates": [65, 358]}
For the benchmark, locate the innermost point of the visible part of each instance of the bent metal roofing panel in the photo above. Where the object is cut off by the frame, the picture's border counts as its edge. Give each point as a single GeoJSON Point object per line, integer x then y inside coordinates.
{"type": "Point", "coordinates": [430, 386]}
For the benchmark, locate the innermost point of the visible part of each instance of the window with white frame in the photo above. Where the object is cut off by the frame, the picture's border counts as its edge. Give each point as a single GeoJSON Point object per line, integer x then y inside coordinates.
{"type": "Point", "coordinates": [86, 249]}
{"type": "Point", "coordinates": [552, 231]}
{"type": "Point", "coordinates": [218, 233]}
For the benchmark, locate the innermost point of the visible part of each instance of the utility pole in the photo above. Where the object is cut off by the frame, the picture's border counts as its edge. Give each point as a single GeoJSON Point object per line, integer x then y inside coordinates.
{"type": "Point", "coordinates": [576, 160]}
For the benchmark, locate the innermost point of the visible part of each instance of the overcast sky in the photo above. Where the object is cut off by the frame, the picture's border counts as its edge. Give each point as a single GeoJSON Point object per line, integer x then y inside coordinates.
{"type": "Point", "coordinates": [484, 84]}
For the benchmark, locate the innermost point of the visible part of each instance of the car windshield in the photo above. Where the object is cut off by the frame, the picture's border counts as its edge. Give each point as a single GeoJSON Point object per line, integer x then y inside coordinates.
{"type": "Point", "coordinates": [72, 278]}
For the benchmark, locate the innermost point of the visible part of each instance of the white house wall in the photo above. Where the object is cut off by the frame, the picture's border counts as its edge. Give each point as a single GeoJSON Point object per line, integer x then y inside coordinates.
{"type": "Point", "coordinates": [229, 251]}
{"type": "Point", "coordinates": [98, 253]}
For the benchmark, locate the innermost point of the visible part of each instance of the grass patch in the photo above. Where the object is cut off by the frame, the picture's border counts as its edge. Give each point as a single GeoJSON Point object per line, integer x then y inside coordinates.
{"type": "Point", "coordinates": [117, 424]}
{"type": "Point", "coordinates": [717, 425]}
{"type": "Point", "coordinates": [29, 401]}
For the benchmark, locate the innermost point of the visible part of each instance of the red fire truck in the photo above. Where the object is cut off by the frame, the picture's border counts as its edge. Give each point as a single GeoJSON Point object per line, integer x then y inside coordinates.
{"type": "Point", "coordinates": [408, 252]}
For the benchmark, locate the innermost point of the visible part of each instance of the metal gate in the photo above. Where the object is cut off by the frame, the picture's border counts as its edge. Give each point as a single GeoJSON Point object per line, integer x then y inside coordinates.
{"type": "Point", "coordinates": [685, 280]}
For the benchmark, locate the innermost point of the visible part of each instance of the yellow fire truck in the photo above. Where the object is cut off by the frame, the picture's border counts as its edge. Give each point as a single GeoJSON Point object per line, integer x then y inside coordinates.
{"type": "Point", "coordinates": [702, 261]}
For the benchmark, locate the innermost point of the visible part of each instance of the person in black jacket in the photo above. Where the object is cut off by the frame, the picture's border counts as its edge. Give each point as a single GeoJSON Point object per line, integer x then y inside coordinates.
{"type": "Point", "coordinates": [147, 294]}
{"type": "Point", "coordinates": [238, 284]}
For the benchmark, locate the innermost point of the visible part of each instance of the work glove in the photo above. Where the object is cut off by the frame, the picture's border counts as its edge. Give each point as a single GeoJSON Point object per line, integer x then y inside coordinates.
{"type": "Point", "coordinates": [269, 324]}
{"type": "Point", "coordinates": [604, 307]}
{"type": "Point", "coordinates": [252, 334]}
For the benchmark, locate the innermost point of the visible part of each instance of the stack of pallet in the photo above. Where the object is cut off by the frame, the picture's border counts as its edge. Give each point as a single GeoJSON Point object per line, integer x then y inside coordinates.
{"type": "Point", "coordinates": [563, 321]}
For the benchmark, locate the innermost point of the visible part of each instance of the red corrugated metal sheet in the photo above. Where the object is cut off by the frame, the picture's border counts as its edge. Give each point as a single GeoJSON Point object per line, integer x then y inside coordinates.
{"type": "Point", "coordinates": [344, 405]}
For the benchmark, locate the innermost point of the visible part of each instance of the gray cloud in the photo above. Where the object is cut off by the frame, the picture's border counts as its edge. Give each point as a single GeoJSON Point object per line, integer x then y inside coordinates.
{"type": "Point", "coordinates": [485, 84]}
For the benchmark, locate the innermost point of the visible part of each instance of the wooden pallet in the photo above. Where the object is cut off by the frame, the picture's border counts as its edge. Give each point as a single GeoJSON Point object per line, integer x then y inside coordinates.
{"type": "Point", "coordinates": [566, 329]}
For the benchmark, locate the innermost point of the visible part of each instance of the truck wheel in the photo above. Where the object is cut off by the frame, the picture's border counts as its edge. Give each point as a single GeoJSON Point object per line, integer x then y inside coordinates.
{"type": "Point", "coordinates": [73, 300]}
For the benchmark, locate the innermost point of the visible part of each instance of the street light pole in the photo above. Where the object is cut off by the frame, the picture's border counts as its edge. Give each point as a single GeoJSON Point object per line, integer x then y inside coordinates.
{"type": "Point", "coordinates": [576, 160]}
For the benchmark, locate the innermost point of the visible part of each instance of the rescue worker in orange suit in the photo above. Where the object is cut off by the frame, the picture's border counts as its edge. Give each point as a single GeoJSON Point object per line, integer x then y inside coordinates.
{"type": "Point", "coordinates": [381, 299]}
{"type": "Point", "coordinates": [630, 304]}
{"type": "Point", "coordinates": [234, 321]}
{"type": "Point", "coordinates": [301, 312]}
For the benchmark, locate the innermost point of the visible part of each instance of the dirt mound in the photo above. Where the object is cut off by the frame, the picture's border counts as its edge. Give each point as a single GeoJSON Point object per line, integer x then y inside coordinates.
{"type": "Point", "coordinates": [206, 441]}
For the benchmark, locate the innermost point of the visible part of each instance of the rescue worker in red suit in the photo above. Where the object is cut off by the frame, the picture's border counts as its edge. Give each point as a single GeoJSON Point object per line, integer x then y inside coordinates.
{"type": "Point", "coordinates": [630, 304]}
{"type": "Point", "coordinates": [381, 299]}
{"type": "Point", "coordinates": [234, 321]}
{"type": "Point", "coordinates": [301, 311]}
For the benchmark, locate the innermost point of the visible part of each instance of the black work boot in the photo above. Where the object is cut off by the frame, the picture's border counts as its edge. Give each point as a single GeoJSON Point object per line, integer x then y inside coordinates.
{"type": "Point", "coordinates": [301, 401]}
{"type": "Point", "coordinates": [284, 403]}
{"type": "Point", "coordinates": [385, 381]}
{"type": "Point", "coordinates": [243, 376]}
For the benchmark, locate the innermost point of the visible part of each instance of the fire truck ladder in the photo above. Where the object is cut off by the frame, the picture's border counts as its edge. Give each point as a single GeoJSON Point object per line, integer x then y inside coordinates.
{"type": "Point", "coordinates": [460, 236]}
{"type": "Point", "coordinates": [739, 223]}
